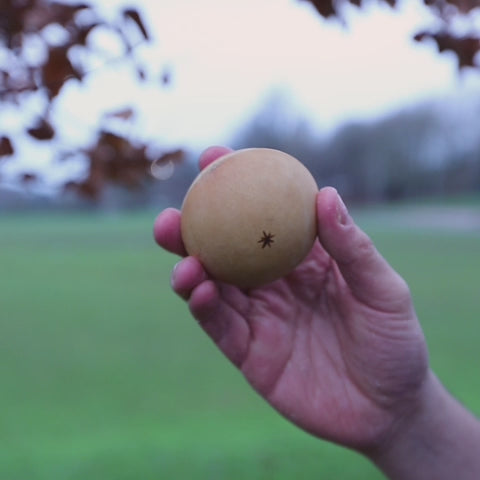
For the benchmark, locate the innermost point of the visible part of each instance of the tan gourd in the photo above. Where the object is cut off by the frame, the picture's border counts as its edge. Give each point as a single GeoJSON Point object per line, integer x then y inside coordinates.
{"type": "Point", "coordinates": [249, 217]}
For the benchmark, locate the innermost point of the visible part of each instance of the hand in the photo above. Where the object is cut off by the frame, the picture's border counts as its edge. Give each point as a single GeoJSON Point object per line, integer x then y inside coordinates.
{"type": "Point", "coordinates": [335, 346]}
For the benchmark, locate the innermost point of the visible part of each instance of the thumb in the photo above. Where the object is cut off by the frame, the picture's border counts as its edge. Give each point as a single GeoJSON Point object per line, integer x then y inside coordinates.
{"type": "Point", "coordinates": [368, 275]}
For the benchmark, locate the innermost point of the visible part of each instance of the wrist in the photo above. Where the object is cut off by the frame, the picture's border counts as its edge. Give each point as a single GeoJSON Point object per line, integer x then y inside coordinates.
{"type": "Point", "coordinates": [438, 439]}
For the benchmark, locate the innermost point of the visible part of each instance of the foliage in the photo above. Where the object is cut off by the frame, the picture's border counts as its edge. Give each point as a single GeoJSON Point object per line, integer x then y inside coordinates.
{"type": "Point", "coordinates": [447, 37]}
{"type": "Point", "coordinates": [26, 26]}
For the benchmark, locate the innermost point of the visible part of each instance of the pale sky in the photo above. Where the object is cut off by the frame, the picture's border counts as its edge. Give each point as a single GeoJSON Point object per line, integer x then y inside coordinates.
{"type": "Point", "coordinates": [226, 55]}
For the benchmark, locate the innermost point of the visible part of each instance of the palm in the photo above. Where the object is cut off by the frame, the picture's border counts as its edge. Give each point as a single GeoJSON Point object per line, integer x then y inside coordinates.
{"type": "Point", "coordinates": [314, 352]}
{"type": "Point", "coordinates": [335, 346]}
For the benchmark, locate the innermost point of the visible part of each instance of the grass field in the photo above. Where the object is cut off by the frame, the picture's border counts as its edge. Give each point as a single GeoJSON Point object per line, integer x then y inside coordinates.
{"type": "Point", "coordinates": [104, 375]}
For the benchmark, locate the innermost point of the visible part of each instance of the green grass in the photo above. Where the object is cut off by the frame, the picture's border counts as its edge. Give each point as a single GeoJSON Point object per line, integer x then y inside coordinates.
{"type": "Point", "coordinates": [104, 375]}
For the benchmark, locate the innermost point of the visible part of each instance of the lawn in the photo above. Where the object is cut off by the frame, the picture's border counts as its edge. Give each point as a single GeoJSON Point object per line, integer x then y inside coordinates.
{"type": "Point", "coordinates": [104, 375]}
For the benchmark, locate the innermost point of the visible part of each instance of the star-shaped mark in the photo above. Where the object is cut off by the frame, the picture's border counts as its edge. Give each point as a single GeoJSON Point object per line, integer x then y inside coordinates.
{"type": "Point", "coordinates": [266, 240]}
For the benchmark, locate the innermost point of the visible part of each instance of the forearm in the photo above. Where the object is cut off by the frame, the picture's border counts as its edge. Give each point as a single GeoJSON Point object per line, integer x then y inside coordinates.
{"type": "Point", "coordinates": [441, 441]}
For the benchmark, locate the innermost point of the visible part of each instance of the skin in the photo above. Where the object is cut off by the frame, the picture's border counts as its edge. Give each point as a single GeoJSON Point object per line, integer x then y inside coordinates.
{"type": "Point", "coordinates": [335, 347]}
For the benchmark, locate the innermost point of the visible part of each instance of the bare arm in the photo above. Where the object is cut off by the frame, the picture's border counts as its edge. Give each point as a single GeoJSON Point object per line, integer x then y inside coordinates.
{"type": "Point", "coordinates": [440, 440]}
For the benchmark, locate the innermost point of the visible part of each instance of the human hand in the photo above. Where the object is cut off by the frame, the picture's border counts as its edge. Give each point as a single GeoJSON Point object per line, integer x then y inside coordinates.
{"type": "Point", "coordinates": [335, 346]}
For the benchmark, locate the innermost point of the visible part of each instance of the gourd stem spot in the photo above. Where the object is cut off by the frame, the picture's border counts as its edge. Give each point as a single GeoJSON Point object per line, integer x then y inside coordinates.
{"type": "Point", "coordinates": [267, 239]}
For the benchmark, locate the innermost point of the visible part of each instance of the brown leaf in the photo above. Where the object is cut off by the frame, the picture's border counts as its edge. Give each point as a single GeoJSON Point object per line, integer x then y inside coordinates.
{"type": "Point", "coordinates": [133, 14]}
{"type": "Point", "coordinates": [124, 114]}
{"type": "Point", "coordinates": [325, 8]}
{"type": "Point", "coordinates": [115, 159]}
{"type": "Point", "coordinates": [64, 13]}
{"type": "Point", "coordinates": [464, 6]}
{"type": "Point", "coordinates": [28, 177]}
{"type": "Point", "coordinates": [41, 13]}
{"type": "Point", "coordinates": [12, 22]}
{"type": "Point", "coordinates": [328, 8]}
{"type": "Point", "coordinates": [6, 147]}
{"type": "Point", "coordinates": [57, 70]}
{"type": "Point", "coordinates": [82, 33]}
{"type": "Point", "coordinates": [87, 188]}
{"type": "Point", "coordinates": [141, 74]}
{"type": "Point", "coordinates": [466, 48]}
{"type": "Point", "coordinates": [421, 36]}
{"type": "Point", "coordinates": [43, 130]}
{"type": "Point", "coordinates": [166, 77]}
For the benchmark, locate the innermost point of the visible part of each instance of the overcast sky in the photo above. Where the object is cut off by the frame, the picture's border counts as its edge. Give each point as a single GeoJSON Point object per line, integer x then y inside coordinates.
{"type": "Point", "coordinates": [226, 55]}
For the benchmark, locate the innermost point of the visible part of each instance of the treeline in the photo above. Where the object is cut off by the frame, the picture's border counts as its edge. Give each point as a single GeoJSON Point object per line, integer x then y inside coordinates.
{"type": "Point", "coordinates": [430, 149]}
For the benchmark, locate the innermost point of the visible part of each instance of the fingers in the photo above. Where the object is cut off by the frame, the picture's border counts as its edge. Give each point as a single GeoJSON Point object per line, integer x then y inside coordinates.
{"type": "Point", "coordinates": [217, 308]}
{"type": "Point", "coordinates": [211, 154]}
{"type": "Point", "coordinates": [187, 274]}
{"type": "Point", "coordinates": [368, 275]}
{"type": "Point", "coordinates": [166, 231]}
{"type": "Point", "coordinates": [221, 320]}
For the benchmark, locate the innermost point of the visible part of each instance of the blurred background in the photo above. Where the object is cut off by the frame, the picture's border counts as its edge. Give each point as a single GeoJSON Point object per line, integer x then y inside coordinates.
{"type": "Point", "coordinates": [105, 107]}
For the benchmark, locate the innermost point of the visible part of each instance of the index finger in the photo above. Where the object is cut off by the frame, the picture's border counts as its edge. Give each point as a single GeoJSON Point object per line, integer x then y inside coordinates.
{"type": "Point", "coordinates": [166, 229]}
{"type": "Point", "coordinates": [167, 232]}
{"type": "Point", "coordinates": [211, 154]}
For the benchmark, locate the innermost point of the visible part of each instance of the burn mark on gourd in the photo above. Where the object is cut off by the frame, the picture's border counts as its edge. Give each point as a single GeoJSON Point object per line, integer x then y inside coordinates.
{"type": "Point", "coordinates": [267, 239]}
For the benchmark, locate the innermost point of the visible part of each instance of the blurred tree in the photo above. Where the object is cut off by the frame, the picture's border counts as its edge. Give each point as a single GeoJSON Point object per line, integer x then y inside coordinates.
{"type": "Point", "coordinates": [464, 42]}
{"type": "Point", "coordinates": [32, 64]}
{"type": "Point", "coordinates": [429, 149]}
{"type": "Point", "coordinates": [113, 157]}
{"type": "Point", "coordinates": [278, 124]}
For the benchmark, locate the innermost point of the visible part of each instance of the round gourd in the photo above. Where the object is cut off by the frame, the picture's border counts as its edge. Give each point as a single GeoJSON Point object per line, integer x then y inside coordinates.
{"type": "Point", "coordinates": [250, 216]}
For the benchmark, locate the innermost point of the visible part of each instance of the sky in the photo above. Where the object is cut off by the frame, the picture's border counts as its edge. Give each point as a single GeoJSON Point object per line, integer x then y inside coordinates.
{"type": "Point", "coordinates": [225, 56]}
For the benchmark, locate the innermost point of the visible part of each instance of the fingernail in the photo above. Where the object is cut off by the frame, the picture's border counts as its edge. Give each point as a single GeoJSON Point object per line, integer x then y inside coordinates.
{"type": "Point", "coordinates": [342, 212]}
{"type": "Point", "coordinates": [173, 275]}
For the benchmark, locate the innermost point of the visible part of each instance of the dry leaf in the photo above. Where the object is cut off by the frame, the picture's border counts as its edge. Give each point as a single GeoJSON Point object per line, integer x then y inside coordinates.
{"type": "Point", "coordinates": [6, 147]}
